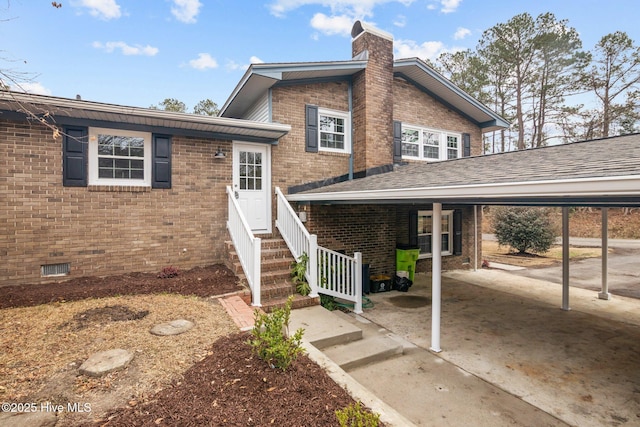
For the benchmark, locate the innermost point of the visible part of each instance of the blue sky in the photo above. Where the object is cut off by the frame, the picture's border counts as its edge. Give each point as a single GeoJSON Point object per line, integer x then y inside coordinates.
{"type": "Point", "coordinates": [139, 52]}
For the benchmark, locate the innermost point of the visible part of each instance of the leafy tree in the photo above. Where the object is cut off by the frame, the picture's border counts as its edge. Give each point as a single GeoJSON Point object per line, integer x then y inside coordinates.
{"type": "Point", "coordinates": [614, 74]}
{"type": "Point", "coordinates": [526, 229]}
{"type": "Point", "coordinates": [206, 107]}
{"type": "Point", "coordinates": [171, 104]}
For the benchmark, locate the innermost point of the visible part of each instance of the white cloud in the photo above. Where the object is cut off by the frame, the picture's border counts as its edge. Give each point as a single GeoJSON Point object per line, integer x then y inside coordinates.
{"type": "Point", "coordinates": [34, 87]}
{"type": "Point", "coordinates": [411, 49]}
{"type": "Point", "coordinates": [126, 49]}
{"type": "Point", "coordinates": [186, 10]}
{"type": "Point", "coordinates": [446, 6]}
{"type": "Point", "coordinates": [231, 65]}
{"type": "Point", "coordinates": [331, 25]}
{"type": "Point", "coordinates": [103, 9]}
{"type": "Point", "coordinates": [204, 61]}
{"type": "Point", "coordinates": [354, 9]}
{"type": "Point", "coordinates": [461, 33]}
{"type": "Point", "coordinates": [449, 6]}
{"type": "Point", "coordinates": [400, 21]}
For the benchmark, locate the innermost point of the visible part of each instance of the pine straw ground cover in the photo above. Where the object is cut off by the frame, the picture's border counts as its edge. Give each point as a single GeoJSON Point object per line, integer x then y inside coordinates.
{"type": "Point", "coordinates": [206, 376]}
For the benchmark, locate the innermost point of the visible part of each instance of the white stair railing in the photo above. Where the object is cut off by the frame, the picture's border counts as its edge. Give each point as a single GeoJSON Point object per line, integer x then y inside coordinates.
{"type": "Point", "coordinates": [248, 247]}
{"type": "Point", "coordinates": [341, 276]}
{"type": "Point", "coordinates": [328, 272]}
{"type": "Point", "coordinates": [298, 239]}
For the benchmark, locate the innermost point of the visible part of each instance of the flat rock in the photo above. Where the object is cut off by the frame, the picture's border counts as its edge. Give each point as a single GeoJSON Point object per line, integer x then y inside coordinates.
{"type": "Point", "coordinates": [175, 327]}
{"type": "Point", "coordinates": [28, 419]}
{"type": "Point", "coordinates": [106, 361]}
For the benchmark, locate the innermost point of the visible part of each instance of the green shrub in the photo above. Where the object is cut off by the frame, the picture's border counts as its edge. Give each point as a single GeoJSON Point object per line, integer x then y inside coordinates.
{"type": "Point", "coordinates": [357, 416]}
{"type": "Point", "coordinates": [271, 341]}
{"type": "Point", "coordinates": [525, 229]}
{"type": "Point", "coordinates": [298, 271]}
{"type": "Point", "coordinates": [328, 302]}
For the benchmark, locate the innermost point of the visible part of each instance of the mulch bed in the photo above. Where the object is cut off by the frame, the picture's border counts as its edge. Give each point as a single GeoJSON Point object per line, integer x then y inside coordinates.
{"type": "Point", "coordinates": [230, 386]}
{"type": "Point", "coordinates": [233, 387]}
{"type": "Point", "coordinates": [200, 281]}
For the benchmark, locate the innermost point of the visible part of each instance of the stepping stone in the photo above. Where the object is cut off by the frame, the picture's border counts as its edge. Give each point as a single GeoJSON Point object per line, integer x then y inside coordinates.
{"type": "Point", "coordinates": [106, 361]}
{"type": "Point", "coordinates": [175, 327]}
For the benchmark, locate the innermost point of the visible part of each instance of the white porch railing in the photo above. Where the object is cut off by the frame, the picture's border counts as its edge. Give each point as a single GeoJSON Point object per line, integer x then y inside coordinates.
{"type": "Point", "coordinates": [341, 276]}
{"type": "Point", "coordinates": [328, 272]}
{"type": "Point", "coordinates": [248, 247]}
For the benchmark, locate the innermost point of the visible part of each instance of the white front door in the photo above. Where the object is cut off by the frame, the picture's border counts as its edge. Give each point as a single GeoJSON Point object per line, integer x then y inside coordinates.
{"type": "Point", "coordinates": [252, 183]}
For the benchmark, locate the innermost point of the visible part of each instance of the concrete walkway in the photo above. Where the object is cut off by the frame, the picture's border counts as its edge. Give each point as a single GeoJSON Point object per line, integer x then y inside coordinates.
{"type": "Point", "coordinates": [510, 355]}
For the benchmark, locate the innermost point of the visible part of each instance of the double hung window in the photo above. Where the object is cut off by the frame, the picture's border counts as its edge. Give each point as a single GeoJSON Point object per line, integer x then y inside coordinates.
{"type": "Point", "coordinates": [334, 131]}
{"type": "Point", "coordinates": [425, 233]}
{"type": "Point", "coordinates": [119, 157]}
{"type": "Point", "coordinates": [420, 143]}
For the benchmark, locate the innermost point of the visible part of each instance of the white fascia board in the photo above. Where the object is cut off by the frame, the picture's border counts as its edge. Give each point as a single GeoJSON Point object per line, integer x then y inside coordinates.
{"type": "Point", "coordinates": [579, 187]}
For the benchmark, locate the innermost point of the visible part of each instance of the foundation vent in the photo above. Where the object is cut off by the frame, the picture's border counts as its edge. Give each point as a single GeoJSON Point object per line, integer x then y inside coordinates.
{"type": "Point", "coordinates": [55, 269]}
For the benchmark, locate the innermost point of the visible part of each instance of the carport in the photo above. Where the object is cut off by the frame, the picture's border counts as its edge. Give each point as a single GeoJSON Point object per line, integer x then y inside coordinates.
{"type": "Point", "coordinates": [597, 173]}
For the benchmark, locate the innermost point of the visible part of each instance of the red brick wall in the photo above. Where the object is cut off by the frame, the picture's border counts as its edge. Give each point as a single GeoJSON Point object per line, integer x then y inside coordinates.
{"type": "Point", "coordinates": [412, 106]}
{"type": "Point", "coordinates": [370, 229]}
{"type": "Point", "coordinates": [105, 232]}
{"type": "Point", "coordinates": [291, 164]}
{"type": "Point", "coordinates": [373, 103]}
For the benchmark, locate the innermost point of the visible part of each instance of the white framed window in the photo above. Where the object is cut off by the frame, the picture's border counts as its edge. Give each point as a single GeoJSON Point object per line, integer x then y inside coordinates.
{"type": "Point", "coordinates": [334, 131]}
{"type": "Point", "coordinates": [420, 143]}
{"type": "Point", "coordinates": [119, 157]}
{"type": "Point", "coordinates": [425, 233]}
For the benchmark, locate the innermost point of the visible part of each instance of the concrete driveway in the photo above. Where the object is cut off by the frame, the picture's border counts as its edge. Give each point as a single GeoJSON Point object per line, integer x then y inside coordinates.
{"type": "Point", "coordinates": [623, 272]}
{"type": "Point", "coordinates": [580, 366]}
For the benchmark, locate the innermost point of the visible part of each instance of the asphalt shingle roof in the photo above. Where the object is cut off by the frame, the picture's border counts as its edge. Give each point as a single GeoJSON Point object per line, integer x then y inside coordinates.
{"type": "Point", "coordinates": [609, 157]}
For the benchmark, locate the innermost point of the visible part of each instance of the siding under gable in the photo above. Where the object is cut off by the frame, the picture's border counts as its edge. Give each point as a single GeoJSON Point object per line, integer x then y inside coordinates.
{"type": "Point", "coordinates": [259, 111]}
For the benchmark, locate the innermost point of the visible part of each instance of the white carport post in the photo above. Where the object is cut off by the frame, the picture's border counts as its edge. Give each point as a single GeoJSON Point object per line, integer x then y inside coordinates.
{"type": "Point", "coordinates": [436, 277]}
{"type": "Point", "coordinates": [565, 258]}
{"type": "Point", "coordinates": [604, 294]}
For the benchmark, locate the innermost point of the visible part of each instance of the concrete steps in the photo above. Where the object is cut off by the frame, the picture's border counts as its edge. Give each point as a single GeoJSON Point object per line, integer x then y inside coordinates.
{"type": "Point", "coordinates": [348, 340]}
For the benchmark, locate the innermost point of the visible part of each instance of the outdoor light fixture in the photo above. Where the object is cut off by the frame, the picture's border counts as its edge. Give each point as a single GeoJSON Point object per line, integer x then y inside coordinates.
{"type": "Point", "coordinates": [220, 154]}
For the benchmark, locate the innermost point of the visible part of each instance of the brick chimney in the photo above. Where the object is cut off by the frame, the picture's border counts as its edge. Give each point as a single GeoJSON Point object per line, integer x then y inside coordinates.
{"type": "Point", "coordinates": [372, 98]}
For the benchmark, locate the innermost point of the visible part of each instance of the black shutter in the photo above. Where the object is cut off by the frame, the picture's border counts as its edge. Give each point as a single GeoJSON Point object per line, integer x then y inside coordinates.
{"type": "Point", "coordinates": [161, 162]}
{"type": "Point", "coordinates": [413, 228]}
{"type": "Point", "coordinates": [457, 232]}
{"type": "Point", "coordinates": [466, 145]}
{"type": "Point", "coordinates": [397, 141]}
{"type": "Point", "coordinates": [74, 157]}
{"type": "Point", "coordinates": [311, 144]}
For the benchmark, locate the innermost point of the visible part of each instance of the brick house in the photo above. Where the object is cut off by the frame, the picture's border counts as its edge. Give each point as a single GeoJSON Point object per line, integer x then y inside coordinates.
{"type": "Point", "coordinates": [362, 117]}
{"type": "Point", "coordinates": [125, 189]}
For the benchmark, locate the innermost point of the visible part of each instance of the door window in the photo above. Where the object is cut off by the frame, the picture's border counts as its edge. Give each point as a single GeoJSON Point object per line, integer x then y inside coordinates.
{"type": "Point", "coordinates": [250, 170]}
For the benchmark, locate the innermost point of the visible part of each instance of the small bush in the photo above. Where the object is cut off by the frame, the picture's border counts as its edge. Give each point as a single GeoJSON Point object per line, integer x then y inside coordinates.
{"type": "Point", "coordinates": [328, 302]}
{"type": "Point", "coordinates": [168, 272]}
{"type": "Point", "coordinates": [357, 416]}
{"type": "Point", "coordinates": [271, 341]}
{"type": "Point", "coordinates": [525, 229]}
{"type": "Point", "coordinates": [298, 271]}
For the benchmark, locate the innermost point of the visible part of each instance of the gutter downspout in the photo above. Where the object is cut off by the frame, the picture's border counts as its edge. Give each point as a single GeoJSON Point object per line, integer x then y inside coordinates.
{"type": "Point", "coordinates": [350, 91]}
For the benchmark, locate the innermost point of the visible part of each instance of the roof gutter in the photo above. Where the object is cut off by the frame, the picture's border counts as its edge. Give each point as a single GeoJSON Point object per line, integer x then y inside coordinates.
{"type": "Point", "coordinates": [621, 186]}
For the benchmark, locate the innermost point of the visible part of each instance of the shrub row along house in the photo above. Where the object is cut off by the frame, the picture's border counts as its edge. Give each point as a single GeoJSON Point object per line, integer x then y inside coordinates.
{"type": "Point", "coordinates": [370, 153]}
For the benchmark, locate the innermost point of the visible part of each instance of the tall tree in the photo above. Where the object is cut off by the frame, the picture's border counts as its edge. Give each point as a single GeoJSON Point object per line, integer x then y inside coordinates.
{"type": "Point", "coordinates": [613, 76]}
{"type": "Point", "coordinates": [171, 104]}
{"type": "Point", "coordinates": [206, 107]}
{"type": "Point", "coordinates": [512, 44]}
{"type": "Point", "coordinates": [559, 59]}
